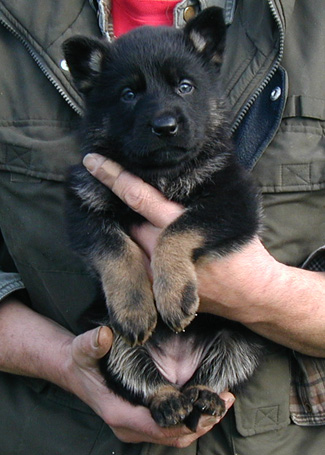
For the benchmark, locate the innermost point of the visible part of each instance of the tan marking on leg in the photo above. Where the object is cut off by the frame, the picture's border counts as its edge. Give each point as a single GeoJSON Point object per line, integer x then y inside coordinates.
{"type": "Point", "coordinates": [175, 282]}
{"type": "Point", "coordinates": [128, 292]}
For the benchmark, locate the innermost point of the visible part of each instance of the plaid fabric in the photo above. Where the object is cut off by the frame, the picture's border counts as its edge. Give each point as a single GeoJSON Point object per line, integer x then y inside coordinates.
{"type": "Point", "coordinates": [316, 261]}
{"type": "Point", "coordinates": [307, 400]}
{"type": "Point", "coordinates": [103, 9]}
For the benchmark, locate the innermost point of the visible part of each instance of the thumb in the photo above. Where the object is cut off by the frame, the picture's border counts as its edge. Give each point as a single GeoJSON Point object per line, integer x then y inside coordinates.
{"type": "Point", "coordinates": [92, 345]}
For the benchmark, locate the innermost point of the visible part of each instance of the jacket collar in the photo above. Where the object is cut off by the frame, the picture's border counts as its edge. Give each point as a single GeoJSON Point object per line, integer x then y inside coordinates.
{"type": "Point", "coordinates": [103, 10]}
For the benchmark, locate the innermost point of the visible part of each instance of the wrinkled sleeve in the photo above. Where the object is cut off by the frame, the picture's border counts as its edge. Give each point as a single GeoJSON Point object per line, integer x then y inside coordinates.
{"type": "Point", "coordinates": [10, 280]}
{"type": "Point", "coordinates": [9, 283]}
{"type": "Point", "coordinates": [316, 261]}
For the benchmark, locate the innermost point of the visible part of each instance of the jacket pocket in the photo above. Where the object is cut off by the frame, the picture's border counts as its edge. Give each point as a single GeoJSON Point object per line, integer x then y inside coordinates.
{"type": "Point", "coordinates": [32, 222]}
{"type": "Point", "coordinates": [291, 176]}
{"type": "Point", "coordinates": [295, 160]}
{"type": "Point", "coordinates": [40, 149]}
{"type": "Point", "coordinates": [263, 404]}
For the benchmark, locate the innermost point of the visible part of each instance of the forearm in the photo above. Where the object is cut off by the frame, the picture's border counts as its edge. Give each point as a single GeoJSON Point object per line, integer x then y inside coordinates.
{"type": "Point", "coordinates": [35, 346]}
{"type": "Point", "coordinates": [284, 304]}
{"type": "Point", "coordinates": [32, 345]}
{"type": "Point", "coordinates": [293, 312]}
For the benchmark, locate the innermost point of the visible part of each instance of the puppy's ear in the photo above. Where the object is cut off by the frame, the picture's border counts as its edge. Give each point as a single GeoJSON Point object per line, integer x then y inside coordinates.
{"type": "Point", "coordinates": [84, 57]}
{"type": "Point", "coordinates": [207, 32]}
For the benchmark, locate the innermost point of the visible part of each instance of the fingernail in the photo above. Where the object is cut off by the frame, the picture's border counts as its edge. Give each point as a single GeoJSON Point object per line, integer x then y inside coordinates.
{"type": "Point", "coordinates": [96, 337]}
{"type": "Point", "coordinates": [230, 402]}
{"type": "Point", "coordinates": [90, 162]}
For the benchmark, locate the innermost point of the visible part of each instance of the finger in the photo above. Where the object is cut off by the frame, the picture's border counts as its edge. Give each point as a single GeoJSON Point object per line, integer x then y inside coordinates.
{"type": "Point", "coordinates": [106, 173]}
{"type": "Point", "coordinates": [92, 345]}
{"type": "Point", "coordinates": [137, 194]}
{"type": "Point", "coordinates": [135, 424]}
{"type": "Point", "coordinates": [146, 237]}
{"type": "Point", "coordinates": [228, 398]}
{"type": "Point", "coordinates": [103, 340]}
{"type": "Point", "coordinates": [135, 437]}
{"type": "Point", "coordinates": [207, 422]}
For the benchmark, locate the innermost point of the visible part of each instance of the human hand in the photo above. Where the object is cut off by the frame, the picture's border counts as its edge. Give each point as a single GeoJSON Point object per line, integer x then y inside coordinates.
{"type": "Point", "coordinates": [132, 424]}
{"type": "Point", "coordinates": [225, 284]}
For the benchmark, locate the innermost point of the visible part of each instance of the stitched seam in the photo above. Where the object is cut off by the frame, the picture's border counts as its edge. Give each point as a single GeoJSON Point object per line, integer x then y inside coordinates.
{"type": "Point", "coordinates": [65, 31]}
{"type": "Point", "coordinates": [293, 187]}
{"type": "Point", "coordinates": [289, 168]}
{"type": "Point", "coordinates": [9, 288]}
{"type": "Point", "coordinates": [37, 122]}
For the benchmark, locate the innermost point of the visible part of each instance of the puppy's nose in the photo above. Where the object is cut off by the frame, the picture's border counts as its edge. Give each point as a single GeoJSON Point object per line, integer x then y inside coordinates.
{"type": "Point", "coordinates": [165, 126]}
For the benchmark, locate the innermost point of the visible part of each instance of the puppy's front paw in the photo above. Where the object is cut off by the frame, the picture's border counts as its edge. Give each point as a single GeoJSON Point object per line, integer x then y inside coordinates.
{"type": "Point", "coordinates": [174, 279]}
{"type": "Point", "coordinates": [177, 302]}
{"type": "Point", "coordinates": [129, 298]}
{"type": "Point", "coordinates": [133, 315]}
{"type": "Point", "coordinates": [169, 406]}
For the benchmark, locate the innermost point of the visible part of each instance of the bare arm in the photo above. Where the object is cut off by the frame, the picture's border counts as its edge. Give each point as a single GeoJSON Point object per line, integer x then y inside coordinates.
{"type": "Point", "coordinates": [35, 346]}
{"type": "Point", "coordinates": [282, 303]}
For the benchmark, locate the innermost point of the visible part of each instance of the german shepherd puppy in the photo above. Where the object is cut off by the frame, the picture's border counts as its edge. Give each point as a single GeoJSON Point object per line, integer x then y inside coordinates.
{"type": "Point", "coordinates": [154, 105]}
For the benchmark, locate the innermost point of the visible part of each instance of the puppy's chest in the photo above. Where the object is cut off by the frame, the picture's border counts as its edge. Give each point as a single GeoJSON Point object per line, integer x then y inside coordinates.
{"type": "Point", "coordinates": [179, 190]}
{"type": "Point", "coordinates": [99, 198]}
{"type": "Point", "coordinates": [194, 182]}
{"type": "Point", "coordinates": [185, 189]}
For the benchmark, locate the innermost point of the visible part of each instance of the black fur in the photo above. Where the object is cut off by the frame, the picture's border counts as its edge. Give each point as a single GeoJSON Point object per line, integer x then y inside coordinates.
{"type": "Point", "coordinates": [154, 105]}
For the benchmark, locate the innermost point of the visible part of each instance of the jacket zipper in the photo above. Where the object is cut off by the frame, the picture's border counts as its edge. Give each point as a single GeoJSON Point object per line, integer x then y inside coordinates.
{"type": "Point", "coordinates": [276, 65]}
{"type": "Point", "coordinates": [42, 67]}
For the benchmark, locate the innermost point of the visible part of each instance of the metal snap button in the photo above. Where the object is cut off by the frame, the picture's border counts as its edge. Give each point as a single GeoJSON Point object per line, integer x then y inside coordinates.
{"type": "Point", "coordinates": [276, 93]}
{"type": "Point", "coordinates": [64, 65]}
{"type": "Point", "coordinates": [189, 13]}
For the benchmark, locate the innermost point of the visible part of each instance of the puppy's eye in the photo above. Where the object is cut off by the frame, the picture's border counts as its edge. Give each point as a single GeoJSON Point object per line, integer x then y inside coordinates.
{"type": "Point", "coordinates": [185, 87]}
{"type": "Point", "coordinates": [128, 95]}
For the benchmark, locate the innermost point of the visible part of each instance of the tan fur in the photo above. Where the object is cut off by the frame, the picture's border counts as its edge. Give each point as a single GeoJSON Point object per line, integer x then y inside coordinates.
{"type": "Point", "coordinates": [95, 61]}
{"type": "Point", "coordinates": [198, 40]}
{"type": "Point", "coordinates": [128, 291]}
{"type": "Point", "coordinates": [173, 270]}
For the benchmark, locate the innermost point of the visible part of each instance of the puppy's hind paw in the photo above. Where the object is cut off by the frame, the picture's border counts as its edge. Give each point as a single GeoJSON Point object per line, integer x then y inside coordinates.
{"type": "Point", "coordinates": [204, 401]}
{"type": "Point", "coordinates": [170, 407]}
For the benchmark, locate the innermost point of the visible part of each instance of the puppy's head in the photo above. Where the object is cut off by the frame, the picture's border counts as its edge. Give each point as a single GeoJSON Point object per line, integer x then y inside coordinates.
{"type": "Point", "coordinates": [152, 96]}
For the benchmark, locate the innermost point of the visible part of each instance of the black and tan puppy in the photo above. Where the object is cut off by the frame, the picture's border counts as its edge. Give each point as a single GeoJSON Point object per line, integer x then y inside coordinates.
{"type": "Point", "coordinates": [154, 105]}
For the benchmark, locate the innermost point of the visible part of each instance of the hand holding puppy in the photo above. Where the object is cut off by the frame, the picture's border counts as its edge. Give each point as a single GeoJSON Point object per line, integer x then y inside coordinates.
{"type": "Point", "coordinates": [131, 424]}
{"type": "Point", "coordinates": [249, 286]}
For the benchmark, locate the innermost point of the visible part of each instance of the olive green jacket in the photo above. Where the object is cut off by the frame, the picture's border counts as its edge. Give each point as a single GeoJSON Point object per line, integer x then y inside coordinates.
{"type": "Point", "coordinates": [273, 77]}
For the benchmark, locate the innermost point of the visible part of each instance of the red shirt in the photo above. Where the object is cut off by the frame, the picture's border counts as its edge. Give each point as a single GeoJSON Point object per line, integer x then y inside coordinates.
{"type": "Point", "coordinates": [129, 14]}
